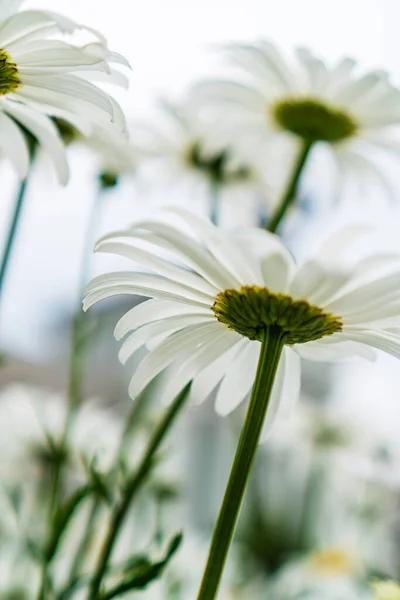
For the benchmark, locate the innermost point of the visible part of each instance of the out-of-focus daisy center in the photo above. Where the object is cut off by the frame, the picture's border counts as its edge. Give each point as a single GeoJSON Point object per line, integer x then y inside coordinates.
{"type": "Point", "coordinates": [386, 590]}
{"type": "Point", "coordinates": [9, 77]}
{"type": "Point", "coordinates": [215, 166]}
{"type": "Point", "coordinates": [251, 309]}
{"type": "Point", "coordinates": [333, 562]}
{"type": "Point", "coordinates": [314, 121]}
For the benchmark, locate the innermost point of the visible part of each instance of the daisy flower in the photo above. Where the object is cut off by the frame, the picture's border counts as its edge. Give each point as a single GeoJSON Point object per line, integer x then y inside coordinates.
{"type": "Point", "coordinates": [42, 75]}
{"type": "Point", "coordinates": [332, 573]}
{"type": "Point", "coordinates": [386, 590]}
{"type": "Point", "coordinates": [33, 419]}
{"type": "Point", "coordinates": [214, 293]}
{"type": "Point", "coordinates": [115, 153]}
{"type": "Point", "coordinates": [275, 104]}
{"type": "Point", "coordinates": [183, 153]}
{"type": "Point", "coordinates": [234, 310]}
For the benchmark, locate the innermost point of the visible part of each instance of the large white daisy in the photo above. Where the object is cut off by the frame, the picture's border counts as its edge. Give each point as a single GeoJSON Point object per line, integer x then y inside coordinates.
{"type": "Point", "coordinates": [216, 293]}
{"type": "Point", "coordinates": [272, 105]}
{"type": "Point", "coordinates": [43, 75]}
{"type": "Point", "coordinates": [179, 150]}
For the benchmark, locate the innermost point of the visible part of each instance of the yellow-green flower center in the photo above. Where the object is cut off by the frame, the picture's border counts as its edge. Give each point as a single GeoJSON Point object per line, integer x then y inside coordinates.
{"type": "Point", "coordinates": [9, 77]}
{"type": "Point", "coordinates": [314, 121]}
{"type": "Point", "coordinates": [333, 561]}
{"type": "Point", "coordinates": [215, 166]}
{"type": "Point", "coordinates": [251, 309]}
{"type": "Point", "coordinates": [386, 590]}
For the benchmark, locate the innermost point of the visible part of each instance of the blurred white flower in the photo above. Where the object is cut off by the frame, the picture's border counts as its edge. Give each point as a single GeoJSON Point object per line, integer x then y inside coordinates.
{"type": "Point", "coordinates": [331, 573]}
{"type": "Point", "coordinates": [216, 293]}
{"type": "Point", "coordinates": [182, 153]}
{"type": "Point", "coordinates": [33, 419]}
{"type": "Point", "coordinates": [273, 105]}
{"type": "Point", "coordinates": [386, 590]}
{"type": "Point", "coordinates": [43, 75]}
{"type": "Point", "coordinates": [116, 155]}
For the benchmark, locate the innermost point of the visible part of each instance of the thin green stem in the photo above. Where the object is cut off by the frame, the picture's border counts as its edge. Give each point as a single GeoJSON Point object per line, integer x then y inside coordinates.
{"type": "Point", "coordinates": [214, 203]}
{"type": "Point", "coordinates": [75, 392]}
{"type": "Point", "coordinates": [289, 195]}
{"type": "Point", "coordinates": [132, 486]}
{"type": "Point", "coordinates": [86, 542]}
{"type": "Point", "coordinates": [271, 349]}
{"type": "Point", "coordinates": [5, 262]}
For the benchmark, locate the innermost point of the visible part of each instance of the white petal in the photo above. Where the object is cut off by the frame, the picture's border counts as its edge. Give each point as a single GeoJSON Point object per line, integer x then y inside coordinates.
{"type": "Point", "coordinates": [366, 296]}
{"type": "Point", "coordinates": [239, 379]}
{"type": "Point", "coordinates": [174, 347]}
{"type": "Point", "coordinates": [291, 384]}
{"type": "Point", "coordinates": [204, 383]}
{"type": "Point", "coordinates": [149, 260]}
{"type": "Point", "coordinates": [13, 144]}
{"type": "Point", "coordinates": [199, 360]}
{"type": "Point", "coordinates": [323, 351]}
{"type": "Point", "coordinates": [152, 310]}
{"type": "Point", "coordinates": [382, 340]}
{"type": "Point", "coordinates": [166, 326]}
{"type": "Point", "coordinates": [145, 284]}
{"type": "Point", "coordinates": [265, 63]}
{"type": "Point", "coordinates": [275, 399]}
{"type": "Point", "coordinates": [221, 246]}
{"type": "Point", "coordinates": [338, 244]}
{"type": "Point", "coordinates": [73, 88]}
{"type": "Point", "coordinates": [276, 270]}
{"type": "Point", "coordinates": [187, 249]}
{"type": "Point", "coordinates": [46, 134]}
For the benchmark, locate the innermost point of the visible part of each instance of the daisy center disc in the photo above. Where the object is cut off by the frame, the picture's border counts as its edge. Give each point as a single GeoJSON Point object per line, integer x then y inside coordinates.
{"type": "Point", "coordinates": [251, 309]}
{"type": "Point", "coordinates": [9, 77]}
{"type": "Point", "coordinates": [215, 165]}
{"type": "Point", "coordinates": [314, 121]}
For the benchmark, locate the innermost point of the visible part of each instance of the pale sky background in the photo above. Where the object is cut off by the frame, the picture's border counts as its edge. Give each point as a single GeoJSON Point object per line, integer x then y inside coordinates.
{"type": "Point", "coordinates": [169, 44]}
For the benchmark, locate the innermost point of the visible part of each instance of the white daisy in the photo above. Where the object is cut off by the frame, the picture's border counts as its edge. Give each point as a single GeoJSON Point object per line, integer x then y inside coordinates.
{"type": "Point", "coordinates": [386, 590]}
{"type": "Point", "coordinates": [115, 153]}
{"type": "Point", "coordinates": [32, 419]}
{"type": "Point", "coordinates": [332, 573]}
{"type": "Point", "coordinates": [42, 75]}
{"type": "Point", "coordinates": [275, 104]}
{"type": "Point", "coordinates": [183, 153]}
{"type": "Point", "coordinates": [216, 293]}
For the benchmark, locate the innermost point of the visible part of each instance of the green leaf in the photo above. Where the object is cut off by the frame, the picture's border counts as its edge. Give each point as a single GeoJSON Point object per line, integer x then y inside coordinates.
{"type": "Point", "coordinates": [145, 571]}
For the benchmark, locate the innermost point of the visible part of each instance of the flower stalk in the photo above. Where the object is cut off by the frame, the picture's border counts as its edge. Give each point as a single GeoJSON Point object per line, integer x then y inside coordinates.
{"type": "Point", "coordinates": [131, 488]}
{"type": "Point", "coordinates": [289, 195]}
{"type": "Point", "coordinates": [214, 206]}
{"type": "Point", "coordinates": [20, 200]}
{"type": "Point", "coordinates": [271, 349]}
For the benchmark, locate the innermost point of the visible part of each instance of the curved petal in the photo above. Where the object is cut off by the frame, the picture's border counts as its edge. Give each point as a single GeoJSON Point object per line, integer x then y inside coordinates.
{"type": "Point", "coordinates": [205, 382]}
{"type": "Point", "coordinates": [46, 134]}
{"type": "Point", "coordinates": [153, 310]}
{"type": "Point", "coordinates": [13, 145]}
{"type": "Point", "coordinates": [239, 380]}
{"type": "Point", "coordinates": [199, 360]}
{"type": "Point", "coordinates": [174, 347]}
{"type": "Point", "coordinates": [150, 260]}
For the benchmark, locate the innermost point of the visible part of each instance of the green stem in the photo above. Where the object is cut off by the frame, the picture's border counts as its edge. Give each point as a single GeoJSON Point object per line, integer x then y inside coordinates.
{"type": "Point", "coordinates": [12, 232]}
{"type": "Point", "coordinates": [75, 381]}
{"type": "Point", "coordinates": [289, 195]}
{"type": "Point", "coordinates": [271, 349]}
{"type": "Point", "coordinates": [86, 542]}
{"type": "Point", "coordinates": [132, 486]}
{"type": "Point", "coordinates": [214, 203]}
